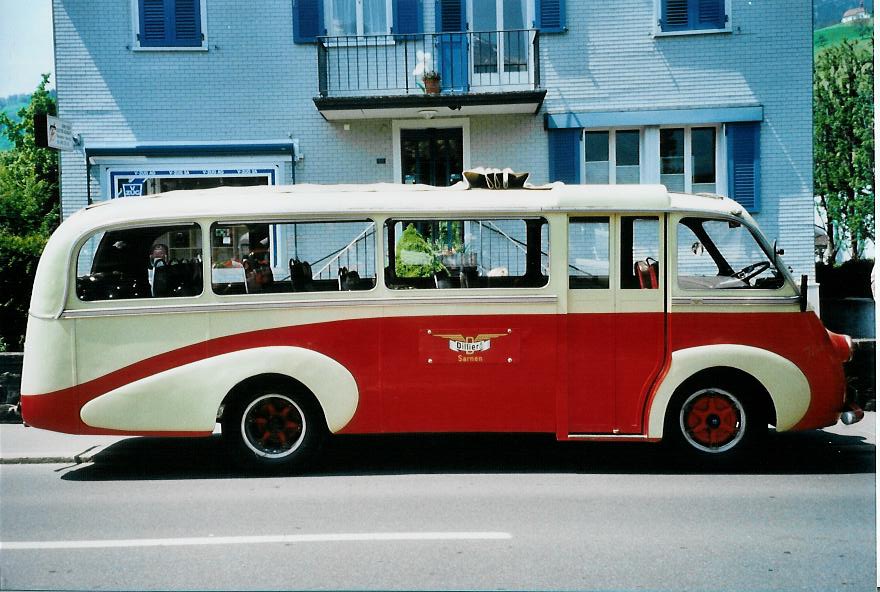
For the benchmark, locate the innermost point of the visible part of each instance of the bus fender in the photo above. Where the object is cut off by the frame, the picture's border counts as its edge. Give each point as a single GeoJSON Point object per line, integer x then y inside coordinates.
{"type": "Point", "coordinates": [186, 398]}
{"type": "Point", "coordinates": [788, 387]}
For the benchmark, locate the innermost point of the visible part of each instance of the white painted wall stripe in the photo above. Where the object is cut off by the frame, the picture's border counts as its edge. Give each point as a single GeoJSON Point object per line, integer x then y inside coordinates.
{"type": "Point", "coordinates": [254, 540]}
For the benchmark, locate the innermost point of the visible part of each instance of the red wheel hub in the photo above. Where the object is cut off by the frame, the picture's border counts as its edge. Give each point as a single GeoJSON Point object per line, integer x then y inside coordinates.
{"type": "Point", "coordinates": [712, 420]}
{"type": "Point", "coordinates": [274, 424]}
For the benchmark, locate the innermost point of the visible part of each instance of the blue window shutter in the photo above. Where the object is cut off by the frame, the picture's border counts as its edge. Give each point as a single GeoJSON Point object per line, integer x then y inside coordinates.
{"type": "Point", "coordinates": [551, 15]}
{"type": "Point", "coordinates": [407, 17]}
{"type": "Point", "coordinates": [565, 154]}
{"type": "Point", "coordinates": [308, 20]}
{"type": "Point", "coordinates": [450, 15]}
{"type": "Point", "coordinates": [710, 14]}
{"type": "Point", "coordinates": [744, 164]}
{"type": "Point", "coordinates": [674, 15]}
{"type": "Point", "coordinates": [170, 23]}
{"type": "Point", "coordinates": [153, 32]}
{"type": "Point", "coordinates": [187, 23]}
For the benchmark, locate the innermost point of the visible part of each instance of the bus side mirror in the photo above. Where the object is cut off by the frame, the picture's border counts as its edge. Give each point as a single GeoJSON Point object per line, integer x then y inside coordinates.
{"type": "Point", "coordinates": [803, 295]}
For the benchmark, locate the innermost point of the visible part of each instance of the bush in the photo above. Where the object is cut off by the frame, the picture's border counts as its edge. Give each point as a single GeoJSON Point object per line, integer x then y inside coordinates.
{"type": "Point", "coordinates": [414, 256]}
{"type": "Point", "coordinates": [851, 279]}
{"type": "Point", "coordinates": [18, 265]}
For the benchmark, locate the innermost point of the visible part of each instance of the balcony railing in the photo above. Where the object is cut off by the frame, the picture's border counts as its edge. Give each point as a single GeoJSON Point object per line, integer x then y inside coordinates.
{"type": "Point", "coordinates": [467, 62]}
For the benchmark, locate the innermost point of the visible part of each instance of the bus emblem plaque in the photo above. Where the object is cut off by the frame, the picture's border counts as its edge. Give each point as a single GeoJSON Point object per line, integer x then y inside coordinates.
{"type": "Point", "coordinates": [484, 346]}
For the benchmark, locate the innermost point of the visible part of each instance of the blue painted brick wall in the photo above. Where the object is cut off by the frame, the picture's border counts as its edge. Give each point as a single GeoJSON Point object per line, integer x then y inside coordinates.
{"type": "Point", "coordinates": [254, 83]}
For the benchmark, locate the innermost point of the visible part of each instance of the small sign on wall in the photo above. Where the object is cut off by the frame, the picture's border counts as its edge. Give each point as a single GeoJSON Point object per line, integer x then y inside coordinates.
{"type": "Point", "coordinates": [52, 132]}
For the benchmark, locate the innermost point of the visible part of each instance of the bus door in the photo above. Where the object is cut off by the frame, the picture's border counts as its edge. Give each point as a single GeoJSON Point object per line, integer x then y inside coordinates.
{"type": "Point", "coordinates": [616, 320]}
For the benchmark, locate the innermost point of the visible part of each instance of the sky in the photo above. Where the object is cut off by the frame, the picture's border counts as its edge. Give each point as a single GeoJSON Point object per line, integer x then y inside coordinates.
{"type": "Point", "coordinates": [25, 45]}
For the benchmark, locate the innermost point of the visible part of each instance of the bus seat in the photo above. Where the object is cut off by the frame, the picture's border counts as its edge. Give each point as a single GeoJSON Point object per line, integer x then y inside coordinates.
{"type": "Point", "coordinates": [655, 272]}
{"type": "Point", "coordinates": [647, 271]}
{"type": "Point", "coordinates": [469, 277]}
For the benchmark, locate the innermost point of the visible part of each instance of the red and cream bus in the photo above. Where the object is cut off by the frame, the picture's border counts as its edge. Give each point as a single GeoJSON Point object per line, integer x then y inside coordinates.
{"type": "Point", "coordinates": [287, 314]}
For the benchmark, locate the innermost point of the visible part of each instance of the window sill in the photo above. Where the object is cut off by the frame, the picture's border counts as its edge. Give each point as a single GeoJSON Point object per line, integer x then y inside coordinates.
{"type": "Point", "coordinates": [203, 48]}
{"type": "Point", "coordinates": [658, 33]}
{"type": "Point", "coordinates": [358, 42]}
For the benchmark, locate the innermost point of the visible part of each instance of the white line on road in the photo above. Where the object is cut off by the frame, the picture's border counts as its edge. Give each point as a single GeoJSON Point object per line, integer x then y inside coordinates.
{"type": "Point", "coordinates": [252, 540]}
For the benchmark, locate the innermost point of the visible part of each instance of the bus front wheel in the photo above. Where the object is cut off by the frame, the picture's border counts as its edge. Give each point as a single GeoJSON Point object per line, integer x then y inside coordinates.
{"type": "Point", "coordinates": [714, 422]}
{"type": "Point", "coordinates": [272, 430]}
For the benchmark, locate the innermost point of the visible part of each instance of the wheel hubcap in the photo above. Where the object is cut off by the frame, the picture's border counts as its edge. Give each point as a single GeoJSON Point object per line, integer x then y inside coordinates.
{"type": "Point", "coordinates": [273, 426]}
{"type": "Point", "coordinates": [712, 420]}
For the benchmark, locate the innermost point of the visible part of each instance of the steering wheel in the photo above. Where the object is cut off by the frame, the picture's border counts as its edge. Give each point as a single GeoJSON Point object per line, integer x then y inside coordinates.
{"type": "Point", "coordinates": [750, 271]}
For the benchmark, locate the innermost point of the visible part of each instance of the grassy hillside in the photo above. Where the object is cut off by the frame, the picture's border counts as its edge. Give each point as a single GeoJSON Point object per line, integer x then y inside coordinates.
{"type": "Point", "coordinates": [830, 36]}
{"type": "Point", "coordinates": [829, 12]}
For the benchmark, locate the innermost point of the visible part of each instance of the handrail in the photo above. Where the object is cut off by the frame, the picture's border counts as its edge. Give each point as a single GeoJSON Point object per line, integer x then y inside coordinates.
{"type": "Point", "coordinates": [393, 63]}
{"type": "Point", "coordinates": [370, 230]}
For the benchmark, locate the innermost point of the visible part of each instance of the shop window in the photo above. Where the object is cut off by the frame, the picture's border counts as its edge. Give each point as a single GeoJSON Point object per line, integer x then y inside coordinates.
{"type": "Point", "coordinates": [146, 262]}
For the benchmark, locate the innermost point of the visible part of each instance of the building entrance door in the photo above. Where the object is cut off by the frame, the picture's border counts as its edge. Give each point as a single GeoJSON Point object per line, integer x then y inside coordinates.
{"type": "Point", "coordinates": [432, 156]}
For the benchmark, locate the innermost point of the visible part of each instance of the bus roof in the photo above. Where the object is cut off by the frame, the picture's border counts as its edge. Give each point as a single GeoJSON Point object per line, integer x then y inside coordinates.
{"type": "Point", "coordinates": [394, 199]}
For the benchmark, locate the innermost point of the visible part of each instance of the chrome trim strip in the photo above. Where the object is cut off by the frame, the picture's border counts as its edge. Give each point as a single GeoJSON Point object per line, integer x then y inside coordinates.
{"type": "Point", "coordinates": [293, 304]}
{"type": "Point", "coordinates": [734, 300]}
{"type": "Point", "coordinates": [609, 436]}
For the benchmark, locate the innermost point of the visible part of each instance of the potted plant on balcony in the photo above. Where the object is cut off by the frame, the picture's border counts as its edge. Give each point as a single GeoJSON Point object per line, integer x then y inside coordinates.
{"type": "Point", "coordinates": [431, 79]}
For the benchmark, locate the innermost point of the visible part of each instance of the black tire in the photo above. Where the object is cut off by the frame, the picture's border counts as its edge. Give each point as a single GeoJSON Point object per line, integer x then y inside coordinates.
{"type": "Point", "coordinates": [273, 429]}
{"type": "Point", "coordinates": [715, 423]}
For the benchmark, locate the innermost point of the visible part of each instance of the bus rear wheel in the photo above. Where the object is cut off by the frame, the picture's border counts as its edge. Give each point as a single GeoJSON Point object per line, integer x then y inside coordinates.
{"type": "Point", "coordinates": [272, 430]}
{"type": "Point", "coordinates": [715, 423]}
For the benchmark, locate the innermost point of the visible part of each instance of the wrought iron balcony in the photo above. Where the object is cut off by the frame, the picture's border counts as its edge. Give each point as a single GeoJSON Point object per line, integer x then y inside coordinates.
{"type": "Point", "coordinates": [497, 71]}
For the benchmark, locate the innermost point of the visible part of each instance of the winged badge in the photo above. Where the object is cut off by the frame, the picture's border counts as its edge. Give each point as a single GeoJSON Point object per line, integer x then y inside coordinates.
{"type": "Point", "coordinates": [469, 345]}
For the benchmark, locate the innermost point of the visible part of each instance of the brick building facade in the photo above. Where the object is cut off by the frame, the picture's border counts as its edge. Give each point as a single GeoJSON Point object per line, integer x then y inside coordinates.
{"type": "Point", "coordinates": [703, 95]}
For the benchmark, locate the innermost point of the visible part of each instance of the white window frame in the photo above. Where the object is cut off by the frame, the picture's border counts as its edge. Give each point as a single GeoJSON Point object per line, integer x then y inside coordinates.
{"type": "Point", "coordinates": [359, 17]}
{"type": "Point", "coordinates": [136, 27]}
{"type": "Point", "coordinates": [612, 152]}
{"type": "Point", "coordinates": [720, 156]}
{"type": "Point", "coordinates": [659, 32]}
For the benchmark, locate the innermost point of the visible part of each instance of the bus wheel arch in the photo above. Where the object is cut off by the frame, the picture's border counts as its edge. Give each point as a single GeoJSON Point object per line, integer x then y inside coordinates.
{"type": "Point", "coordinates": [783, 389]}
{"type": "Point", "coordinates": [718, 412]}
{"type": "Point", "coordinates": [272, 422]}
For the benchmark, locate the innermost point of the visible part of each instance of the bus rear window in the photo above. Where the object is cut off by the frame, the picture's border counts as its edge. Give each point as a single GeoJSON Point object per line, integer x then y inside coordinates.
{"type": "Point", "coordinates": [500, 253]}
{"type": "Point", "coordinates": [143, 262]}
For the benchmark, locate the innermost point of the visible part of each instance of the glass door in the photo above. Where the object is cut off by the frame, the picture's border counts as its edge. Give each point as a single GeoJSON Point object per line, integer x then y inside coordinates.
{"type": "Point", "coordinates": [431, 156]}
{"type": "Point", "coordinates": [500, 44]}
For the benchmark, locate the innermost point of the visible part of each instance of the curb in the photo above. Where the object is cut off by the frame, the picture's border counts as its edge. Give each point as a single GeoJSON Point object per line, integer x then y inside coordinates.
{"type": "Point", "coordinates": [25, 458]}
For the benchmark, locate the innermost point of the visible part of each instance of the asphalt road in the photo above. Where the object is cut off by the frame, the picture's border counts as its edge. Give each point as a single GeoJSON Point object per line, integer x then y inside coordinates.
{"type": "Point", "coordinates": [442, 512]}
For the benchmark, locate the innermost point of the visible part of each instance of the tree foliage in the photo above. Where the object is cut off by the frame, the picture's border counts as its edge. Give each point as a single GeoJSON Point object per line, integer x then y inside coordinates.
{"type": "Point", "coordinates": [843, 119]}
{"type": "Point", "coordinates": [29, 211]}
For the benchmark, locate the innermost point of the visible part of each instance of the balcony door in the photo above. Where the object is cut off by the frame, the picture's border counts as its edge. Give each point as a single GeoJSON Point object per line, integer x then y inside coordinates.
{"type": "Point", "coordinates": [432, 156]}
{"type": "Point", "coordinates": [500, 44]}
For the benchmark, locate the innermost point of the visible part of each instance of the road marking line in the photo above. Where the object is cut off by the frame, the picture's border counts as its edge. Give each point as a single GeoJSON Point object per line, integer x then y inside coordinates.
{"type": "Point", "coordinates": [250, 540]}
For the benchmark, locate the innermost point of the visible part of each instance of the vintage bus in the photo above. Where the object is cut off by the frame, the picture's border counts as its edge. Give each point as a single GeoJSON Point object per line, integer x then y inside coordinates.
{"type": "Point", "coordinates": [287, 314]}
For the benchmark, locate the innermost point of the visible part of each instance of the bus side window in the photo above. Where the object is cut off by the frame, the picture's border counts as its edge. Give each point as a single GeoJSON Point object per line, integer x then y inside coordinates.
{"type": "Point", "coordinates": [639, 252]}
{"type": "Point", "coordinates": [310, 257]}
{"type": "Point", "coordinates": [145, 262]}
{"type": "Point", "coordinates": [588, 253]}
{"type": "Point", "coordinates": [464, 254]}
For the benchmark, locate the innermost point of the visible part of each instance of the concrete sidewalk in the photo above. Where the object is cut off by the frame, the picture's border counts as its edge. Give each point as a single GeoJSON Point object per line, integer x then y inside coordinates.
{"type": "Point", "coordinates": [25, 445]}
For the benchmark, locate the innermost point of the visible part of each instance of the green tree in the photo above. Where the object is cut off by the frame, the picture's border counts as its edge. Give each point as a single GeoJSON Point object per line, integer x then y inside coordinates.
{"type": "Point", "coordinates": [28, 212]}
{"type": "Point", "coordinates": [843, 119]}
